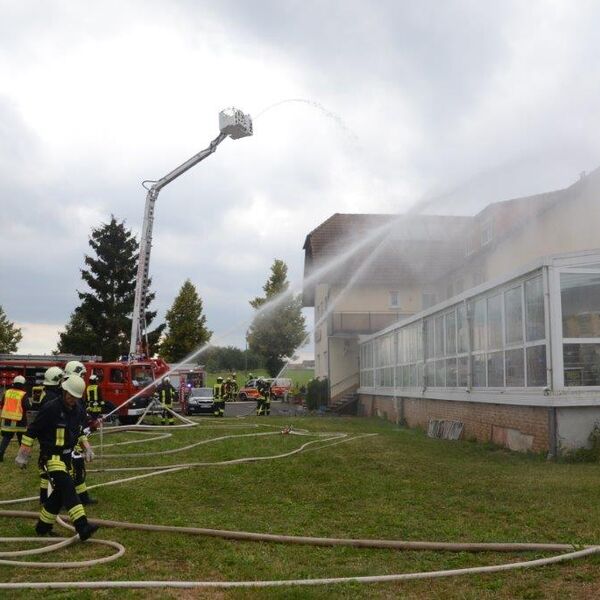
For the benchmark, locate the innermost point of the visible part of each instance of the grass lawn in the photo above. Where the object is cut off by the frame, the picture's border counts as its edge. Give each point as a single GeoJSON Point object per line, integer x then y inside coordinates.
{"type": "Point", "coordinates": [396, 485]}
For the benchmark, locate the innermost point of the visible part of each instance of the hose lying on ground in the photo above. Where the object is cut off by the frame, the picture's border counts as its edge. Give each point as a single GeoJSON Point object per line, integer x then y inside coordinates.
{"type": "Point", "coordinates": [570, 552]}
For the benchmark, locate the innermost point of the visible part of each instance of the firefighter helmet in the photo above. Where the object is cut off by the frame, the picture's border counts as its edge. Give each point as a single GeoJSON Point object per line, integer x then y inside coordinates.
{"type": "Point", "coordinates": [52, 376]}
{"type": "Point", "coordinates": [93, 377]}
{"type": "Point", "coordinates": [74, 385]}
{"type": "Point", "coordinates": [219, 380]}
{"type": "Point", "coordinates": [166, 379]}
{"type": "Point", "coordinates": [74, 366]}
{"type": "Point", "coordinates": [19, 379]}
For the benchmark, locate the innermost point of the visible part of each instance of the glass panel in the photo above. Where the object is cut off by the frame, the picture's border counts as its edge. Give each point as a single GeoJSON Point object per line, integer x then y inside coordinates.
{"type": "Point", "coordinates": [513, 309]}
{"type": "Point", "coordinates": [495, 365]}
{"type": "Point", "coordinates": [534, 309]}
{"type": "Point", "coordinates": [440, 373]}
{"type": "Point", "coordinates": [494, 320]}
{"type": "Point", "coordinates": [463, 371]}
{"type": "Point", "coordinates": [451, 372]}
{"type": "Point", "coordinates": [462, 328]}
{"type": "Point", "coordinates": [580, 297]}
{"type": "Point", "coordinates": [478, 308]}
{"type": "Point", "coordinates": [429, 374]}
{"type": "Point", "coordinates": [451, 333]}
{"type": "Point", "coordinates": [582, 364]}
{"type": "Point", "coordinates": [479, 370]}
{"type": "Point", "coordinates": [536, 366]}
{"type": "Point", "coordinates": [439, 336]}
{"type": "Point", "coordinates": [515, 368]}
{"type": "Point", "coordinates": [429, 338]}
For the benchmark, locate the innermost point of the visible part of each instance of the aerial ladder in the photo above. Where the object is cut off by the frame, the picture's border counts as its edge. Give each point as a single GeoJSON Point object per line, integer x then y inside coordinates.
{"type": "Point", "coordinates": [233, 123]}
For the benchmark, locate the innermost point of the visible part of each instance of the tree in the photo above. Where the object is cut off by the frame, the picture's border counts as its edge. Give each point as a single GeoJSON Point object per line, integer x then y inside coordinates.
{"type": "Point", "coordinates": [10, 335]}
{"type": "Point", "coordinates": [101, 324]}
{"type": "Point", "coordinates": [186, 325]}
{"type": "Point", "coordinates": [278, 327]}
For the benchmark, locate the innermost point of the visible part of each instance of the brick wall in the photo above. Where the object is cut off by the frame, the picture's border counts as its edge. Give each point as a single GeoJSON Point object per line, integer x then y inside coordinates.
{"type": "Point", "coordinates": [483, 422]}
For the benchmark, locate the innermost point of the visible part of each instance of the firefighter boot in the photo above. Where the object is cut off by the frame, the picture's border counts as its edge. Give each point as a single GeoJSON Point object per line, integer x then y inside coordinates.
{"type": "Point", "coordinates": [86, 499]}
{"type": "Point", "coordinates": [42, 528]}
{"type": "Point", "coordinates": [84, 528]}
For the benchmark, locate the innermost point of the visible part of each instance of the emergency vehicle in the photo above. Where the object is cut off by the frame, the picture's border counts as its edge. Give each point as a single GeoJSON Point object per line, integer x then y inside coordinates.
{"type": "Point", "coordinates": [118, 381]}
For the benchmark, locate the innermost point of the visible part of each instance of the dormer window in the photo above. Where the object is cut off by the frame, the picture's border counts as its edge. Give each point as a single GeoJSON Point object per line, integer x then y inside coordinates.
{"type": "Point", "coordinates": [487, 232]}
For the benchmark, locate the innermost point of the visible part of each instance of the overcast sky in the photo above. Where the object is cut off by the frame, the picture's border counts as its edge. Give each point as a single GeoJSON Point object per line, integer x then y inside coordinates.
{"type": "Point", "coordinates": [463, 102]}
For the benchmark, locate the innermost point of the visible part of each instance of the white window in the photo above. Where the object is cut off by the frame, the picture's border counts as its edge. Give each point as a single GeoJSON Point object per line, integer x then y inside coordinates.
{"type": "Point", "coordinates": [487, 232]}
{"type": "Point", "coordinates": [394, 299]}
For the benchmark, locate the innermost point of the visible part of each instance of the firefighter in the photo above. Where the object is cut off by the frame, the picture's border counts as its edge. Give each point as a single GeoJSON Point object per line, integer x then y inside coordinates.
{"type": "Point", "coordinates": [250, 378]}
{"type": "Point", "coordinates": [52, 390]}
{"type": "Point", "coordinates": [228, 386]}
{"type": "Point", "coordinates": [219, 398]}
{"type": "Point", "coordinates": [94, 400]}
{"type": "Point", "coordinates": [15, 405]}
{"type": "Point", "coordinates": [58, 427]}
{"type": "Point", "coordinates": [235, 388]}
{"type": "Point", "coordinates": [263, 402]}
{"type": "Point", "coordinates": [166, 394]}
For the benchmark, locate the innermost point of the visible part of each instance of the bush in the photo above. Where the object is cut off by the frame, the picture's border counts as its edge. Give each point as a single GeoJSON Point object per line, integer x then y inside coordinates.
{"type": "Point", "coordinates": [317, 393]}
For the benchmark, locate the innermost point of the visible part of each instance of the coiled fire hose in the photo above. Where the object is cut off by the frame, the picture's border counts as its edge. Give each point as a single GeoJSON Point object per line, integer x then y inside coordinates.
{"type": "Point", "coordinates": [569, 552]}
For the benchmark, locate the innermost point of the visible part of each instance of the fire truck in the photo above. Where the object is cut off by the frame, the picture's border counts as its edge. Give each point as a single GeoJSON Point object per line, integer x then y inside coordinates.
{"type": "Point", "coordinates": [118, 381]}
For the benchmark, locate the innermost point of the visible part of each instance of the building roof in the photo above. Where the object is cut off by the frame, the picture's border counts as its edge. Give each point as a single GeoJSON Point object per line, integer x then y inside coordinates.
{"type": "Point", "coordinates": [381, 249]}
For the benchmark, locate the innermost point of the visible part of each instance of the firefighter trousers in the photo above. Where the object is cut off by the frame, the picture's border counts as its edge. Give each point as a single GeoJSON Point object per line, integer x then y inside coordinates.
{"type": "Point", "coordinates": [6, 437]}
{"type": "Point", "coordinates": [166, 416]}
{"type": "Point", "coordinates": [63, 493]}
{"type": "Point", "coordinates": [219, 408]}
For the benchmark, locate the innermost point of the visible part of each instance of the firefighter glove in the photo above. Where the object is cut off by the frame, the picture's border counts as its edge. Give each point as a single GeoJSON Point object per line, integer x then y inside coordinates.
{"type": "Point", "coordinates": [89, 454]}
{"type": "Point", "coordinates": [23, 456]}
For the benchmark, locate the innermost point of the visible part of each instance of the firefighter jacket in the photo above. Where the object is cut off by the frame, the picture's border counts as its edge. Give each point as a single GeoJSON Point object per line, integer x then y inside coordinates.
{"type": "Point", "coordinates": [166, 394]}
{"type": "Point", "coordinates": [95, 402]}
{"type": "Point", "coordinates": [264, 389]}
{"type": "Point", "coordinates": [57, 428]}
{"type": "Point", "coordinates": [51, 392]}
{"type": "Point", "coordinates": [15, 405]}
{"type": "Point", "coordinates": [37, 393]}
{"type": "Point", "coordinates": [218, 391]}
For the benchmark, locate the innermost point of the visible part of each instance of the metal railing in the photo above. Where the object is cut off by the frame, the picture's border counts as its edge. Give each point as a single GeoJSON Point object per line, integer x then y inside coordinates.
{"type": "Point", "coordinates": [362, 322]}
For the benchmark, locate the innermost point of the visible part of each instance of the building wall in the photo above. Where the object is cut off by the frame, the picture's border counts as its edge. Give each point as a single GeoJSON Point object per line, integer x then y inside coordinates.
{"type": "Point", "coordinates": [377, 299]}
{"type": "Point", "coordinates": [343, 363]}
{"type": "Point", "coordinates": [566, 227]}
{"type": "Point", "coordinates": [525, 428]}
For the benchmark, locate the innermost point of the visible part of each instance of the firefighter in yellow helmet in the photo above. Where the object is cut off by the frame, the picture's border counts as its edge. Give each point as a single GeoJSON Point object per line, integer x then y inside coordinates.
{"type": "Point", "coordinates": [219, 398]}
{"type": "Point", "coordinates": [13, 417]}
{"type": "Point", "coordinates": [58, 427]}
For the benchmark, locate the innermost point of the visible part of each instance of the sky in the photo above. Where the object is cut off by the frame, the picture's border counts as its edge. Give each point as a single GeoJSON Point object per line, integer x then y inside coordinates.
{"type": "Point", "coordinates": [393, 106]}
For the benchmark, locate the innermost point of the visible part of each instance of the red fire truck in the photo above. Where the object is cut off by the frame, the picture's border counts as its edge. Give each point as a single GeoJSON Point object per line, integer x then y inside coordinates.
{"type": "Point", "coordinates": [118, 381]}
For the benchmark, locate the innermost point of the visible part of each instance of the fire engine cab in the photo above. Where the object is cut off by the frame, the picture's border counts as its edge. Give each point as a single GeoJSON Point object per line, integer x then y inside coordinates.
{"type": "Point", "coordinates": [118, 381]}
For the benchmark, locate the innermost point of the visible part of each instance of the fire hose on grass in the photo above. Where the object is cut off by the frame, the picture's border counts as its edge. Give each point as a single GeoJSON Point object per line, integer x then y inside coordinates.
{"type": "Point", "coordinates": [568, 551]}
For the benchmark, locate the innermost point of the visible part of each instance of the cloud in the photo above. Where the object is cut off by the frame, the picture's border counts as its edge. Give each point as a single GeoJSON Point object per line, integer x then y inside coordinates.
{"type": "Point", "coordinates": [459, 103]}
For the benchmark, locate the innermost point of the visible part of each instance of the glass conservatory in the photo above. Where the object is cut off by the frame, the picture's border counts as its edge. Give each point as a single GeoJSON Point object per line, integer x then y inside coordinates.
{"type": "Point", "coordinates": [528, 338]}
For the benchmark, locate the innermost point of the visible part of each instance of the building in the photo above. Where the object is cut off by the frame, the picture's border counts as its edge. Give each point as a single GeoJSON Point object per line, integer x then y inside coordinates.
{"type": "Point", "coordinates": [511, 346]}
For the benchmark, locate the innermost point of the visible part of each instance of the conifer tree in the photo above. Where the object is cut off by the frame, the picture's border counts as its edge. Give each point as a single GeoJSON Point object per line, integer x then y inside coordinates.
{"type": "Point", "coordinates": [186, 325]}
{"type": "Point", "coordinates": [10, 335]}
{"type": "Point", "coordinates": [101, 324]}
{"type": "Point", "coordinates": [277, 330]}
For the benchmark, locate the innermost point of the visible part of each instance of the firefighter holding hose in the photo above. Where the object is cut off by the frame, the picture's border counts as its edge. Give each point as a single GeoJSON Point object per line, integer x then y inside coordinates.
{"type": "Point", "coordinates": [59, 427]}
